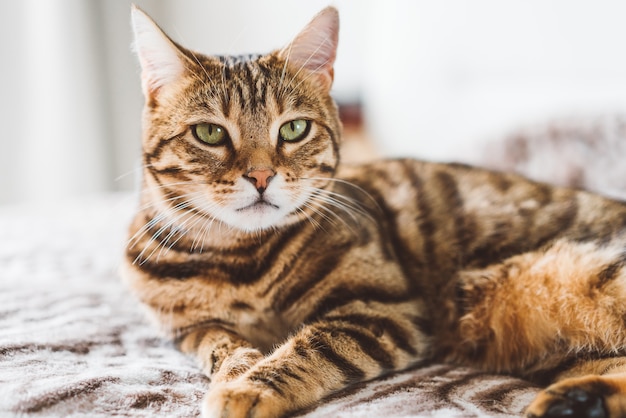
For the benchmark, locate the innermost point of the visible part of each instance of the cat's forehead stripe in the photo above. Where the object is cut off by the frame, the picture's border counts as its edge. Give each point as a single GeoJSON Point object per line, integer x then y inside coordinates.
{"type": "Point", "coordinates": [248, 84]}
{"type": "Point", "coordinates": [232, 60]}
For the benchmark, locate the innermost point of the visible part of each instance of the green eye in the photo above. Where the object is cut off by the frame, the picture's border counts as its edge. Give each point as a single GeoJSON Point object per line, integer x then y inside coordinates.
{"type": "Point", "coordinates": [209, 133]}
{"type": "Point", "coordinates": [295, 130]}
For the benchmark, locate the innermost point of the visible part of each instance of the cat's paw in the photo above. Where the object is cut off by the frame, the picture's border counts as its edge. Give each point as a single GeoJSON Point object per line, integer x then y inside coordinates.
{"type": "Point", "coordinates": [240, 399]}
{"type": "Point", "coordinates": [569, 399]}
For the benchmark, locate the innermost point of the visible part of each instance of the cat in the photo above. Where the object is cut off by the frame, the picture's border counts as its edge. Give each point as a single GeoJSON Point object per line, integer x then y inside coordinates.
{"type": "Point", "coordinates": [291, 276]}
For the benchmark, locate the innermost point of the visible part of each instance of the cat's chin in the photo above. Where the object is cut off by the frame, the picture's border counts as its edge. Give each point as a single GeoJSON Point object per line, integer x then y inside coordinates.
{"type": "Point", "coordinates": [258, 216]}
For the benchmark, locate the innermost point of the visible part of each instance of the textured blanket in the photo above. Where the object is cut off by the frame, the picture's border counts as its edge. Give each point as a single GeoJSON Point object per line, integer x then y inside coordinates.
{"type": "Point", "coordinates": [73, 342]}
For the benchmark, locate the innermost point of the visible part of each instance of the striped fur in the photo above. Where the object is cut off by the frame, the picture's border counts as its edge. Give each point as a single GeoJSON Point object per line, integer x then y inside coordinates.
{"type": "Point", "coordinates": [290, 276]}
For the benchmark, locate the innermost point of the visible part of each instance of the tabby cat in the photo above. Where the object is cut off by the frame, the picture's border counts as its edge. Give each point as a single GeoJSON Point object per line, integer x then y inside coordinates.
{"type": "Point", "coordinates": [291, 276]}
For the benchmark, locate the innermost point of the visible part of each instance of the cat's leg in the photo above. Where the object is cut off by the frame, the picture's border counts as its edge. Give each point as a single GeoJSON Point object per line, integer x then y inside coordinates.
{"type": "Point", "coordinates": [594, 388]}
{"type": "Point", "coordinates": [539, 311]}
{"type": "Point", "coordinates": [222, 354]}
{"type": "Point", "coordinates": [318, 360]}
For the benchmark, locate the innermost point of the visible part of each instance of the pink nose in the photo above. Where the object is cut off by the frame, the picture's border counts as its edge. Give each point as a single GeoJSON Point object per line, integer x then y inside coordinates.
{"type": "Point", "coordinates": [260, 177]}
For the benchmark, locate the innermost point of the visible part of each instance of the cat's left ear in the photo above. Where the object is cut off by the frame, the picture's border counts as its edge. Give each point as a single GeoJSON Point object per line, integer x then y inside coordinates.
{"type": "Point", "coordinates": [162, 62]}
{"type": "Point", "coordinates": [315, 47]}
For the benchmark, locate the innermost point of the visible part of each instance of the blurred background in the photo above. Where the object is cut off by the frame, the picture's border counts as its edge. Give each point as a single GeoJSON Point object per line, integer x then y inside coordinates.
{"type": "Point", "coordinates": [431, 78]}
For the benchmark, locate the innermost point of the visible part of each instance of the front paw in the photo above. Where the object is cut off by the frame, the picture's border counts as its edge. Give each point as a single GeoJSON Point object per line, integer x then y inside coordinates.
{"type": "Point", "coordinates": [566, 400]}
{"type": "Point", "coordinates": [240, 399]}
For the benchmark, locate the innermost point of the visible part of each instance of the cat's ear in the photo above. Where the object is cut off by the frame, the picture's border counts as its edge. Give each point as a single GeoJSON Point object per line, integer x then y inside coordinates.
{"type": "Point", "coordinates": [161, 60]}
{"type": "Point", "coordinates": [315, 47]}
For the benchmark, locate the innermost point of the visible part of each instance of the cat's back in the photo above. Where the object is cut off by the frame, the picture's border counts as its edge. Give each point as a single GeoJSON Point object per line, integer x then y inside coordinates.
{"type": "Point", "coordinates": [448, 216]}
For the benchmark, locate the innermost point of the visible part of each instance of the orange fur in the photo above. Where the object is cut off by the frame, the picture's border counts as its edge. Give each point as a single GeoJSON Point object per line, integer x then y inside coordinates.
{"type": "Point", "coordinates": [536, 305]}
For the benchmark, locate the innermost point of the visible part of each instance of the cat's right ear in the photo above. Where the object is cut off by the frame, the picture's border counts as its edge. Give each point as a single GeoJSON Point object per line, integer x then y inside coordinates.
{"type": "Point", "coordinates": [161, 60]}
{"type": "Point", "coordinates": [315, 47]}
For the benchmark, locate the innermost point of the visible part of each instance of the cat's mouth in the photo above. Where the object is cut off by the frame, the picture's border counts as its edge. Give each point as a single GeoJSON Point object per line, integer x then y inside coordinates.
{"type": "Point", "coordinates": [259, 204]}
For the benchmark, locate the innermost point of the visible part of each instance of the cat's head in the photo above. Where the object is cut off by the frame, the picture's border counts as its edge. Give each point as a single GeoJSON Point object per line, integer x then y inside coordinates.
{"type": "Point", "coordinates": [248, 141]}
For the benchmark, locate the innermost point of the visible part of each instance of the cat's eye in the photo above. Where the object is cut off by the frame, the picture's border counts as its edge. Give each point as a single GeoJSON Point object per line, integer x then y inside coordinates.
{"type": "Point", "coordinates": [209, 133]}
{"type": "Point", "coordinates": [294, 130]}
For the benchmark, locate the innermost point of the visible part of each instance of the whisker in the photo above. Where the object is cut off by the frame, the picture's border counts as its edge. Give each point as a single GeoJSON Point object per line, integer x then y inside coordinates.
{"type": "Point", "coordinates": [200, 237]}
{"type": "Point", "coordinates": [348, 205]}
{"type": "Point", "coordinates": [169, 200]}
{"type": "Point", "coordinates": [182, 230]}
{"type": "Point", "coordinates": [349, 184]}
{"type": "Point", "coordinates": [156, 235]}
{"type": "Point", "coordinates": [318, 210]}
{"type": "Point", "coordinates": [327, 208]}
{"type": "Point", "coordinates": [131, 172]}
{"type": "Point", "coordinates": [174, 214]}
{"type": "Point", "coordinates": [190, 224]}
{"type": "Point", "coordinates": [316, 224]}
{"type": "Point", "coordinates": [141, 232]}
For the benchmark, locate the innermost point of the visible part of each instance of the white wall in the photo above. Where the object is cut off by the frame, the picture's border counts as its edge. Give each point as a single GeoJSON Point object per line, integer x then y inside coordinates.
{"type": "Point", "coordinates": [445, 74]}
{"type": "Point", "coordinates": [55, 134]}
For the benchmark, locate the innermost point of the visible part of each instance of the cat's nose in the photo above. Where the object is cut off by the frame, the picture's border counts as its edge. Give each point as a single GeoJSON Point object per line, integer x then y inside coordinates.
{"type": "Point", "coordinates": [260, 177]}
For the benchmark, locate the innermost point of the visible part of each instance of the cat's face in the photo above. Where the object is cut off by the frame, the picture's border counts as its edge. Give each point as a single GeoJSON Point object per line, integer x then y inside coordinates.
{"type": "Point", "coordinates": [250, 142]}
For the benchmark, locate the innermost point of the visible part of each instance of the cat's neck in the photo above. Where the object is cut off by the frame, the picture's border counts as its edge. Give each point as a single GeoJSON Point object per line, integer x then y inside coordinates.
{"type": "Point", "coordinates": [221, 235]}
{"type": "Point", "coordinates": [163, 230]}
